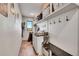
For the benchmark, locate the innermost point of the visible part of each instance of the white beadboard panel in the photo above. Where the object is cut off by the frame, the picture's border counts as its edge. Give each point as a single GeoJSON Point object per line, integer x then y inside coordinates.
{"type": "Point", "coordinates": [65, 35]}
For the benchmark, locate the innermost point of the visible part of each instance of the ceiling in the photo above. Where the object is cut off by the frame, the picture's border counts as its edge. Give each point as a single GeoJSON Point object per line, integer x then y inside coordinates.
{"type": "Point", "coordinates": [30, 9]}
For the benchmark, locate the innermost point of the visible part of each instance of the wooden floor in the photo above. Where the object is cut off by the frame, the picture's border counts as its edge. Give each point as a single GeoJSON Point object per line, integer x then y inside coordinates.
{"type": "Point", "coordinates": [26, 49]}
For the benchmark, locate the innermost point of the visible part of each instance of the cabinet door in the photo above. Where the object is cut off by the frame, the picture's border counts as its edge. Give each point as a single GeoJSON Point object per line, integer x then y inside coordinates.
{"type": "Point", "coordinates": [42, 26]}
{"type": "Point", "coordinates": [39, 45]}
{"type": "Point", "coordinates": [34, 39]}
{"type": "Point", "coordinates": [34, 42]}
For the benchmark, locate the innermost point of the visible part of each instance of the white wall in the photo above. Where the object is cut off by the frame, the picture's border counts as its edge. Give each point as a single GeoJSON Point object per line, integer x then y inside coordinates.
{"type": "Point", "coordinates": [10, 33]}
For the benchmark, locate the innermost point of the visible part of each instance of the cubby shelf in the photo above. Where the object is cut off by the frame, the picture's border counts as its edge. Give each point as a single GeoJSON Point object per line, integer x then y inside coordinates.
{"type": "Point", "coordinates": [59, 11]}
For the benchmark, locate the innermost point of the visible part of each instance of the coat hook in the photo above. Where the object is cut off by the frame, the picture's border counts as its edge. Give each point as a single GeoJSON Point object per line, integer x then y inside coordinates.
{"type": "Point", "coordinates": [59, 20]}
{"type": "Point", "coordinates": [67, 18]}
{"type": "Point", "coordinates": [50, 23]}
{"type": "Point", "coordinates": [54, 22]}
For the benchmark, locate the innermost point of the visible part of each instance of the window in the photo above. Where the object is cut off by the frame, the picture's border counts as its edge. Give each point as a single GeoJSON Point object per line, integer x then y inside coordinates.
{"type": "Point", "coordinates": [29, 25]}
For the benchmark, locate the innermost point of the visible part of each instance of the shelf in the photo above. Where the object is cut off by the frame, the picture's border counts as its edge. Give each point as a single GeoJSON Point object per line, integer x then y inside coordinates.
{"type": "Point", "coordinates": [41, 34]}
{"type": "Point", "coordinates": [59, 11]}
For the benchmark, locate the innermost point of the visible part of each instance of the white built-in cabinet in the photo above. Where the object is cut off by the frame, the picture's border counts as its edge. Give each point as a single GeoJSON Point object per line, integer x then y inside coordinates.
{"type": "Point", "coordinates": [63, 28]}
{"type": "Point", "coordinates": [39, 45]}
{"type": "Point", "coordinates": [37, 41]}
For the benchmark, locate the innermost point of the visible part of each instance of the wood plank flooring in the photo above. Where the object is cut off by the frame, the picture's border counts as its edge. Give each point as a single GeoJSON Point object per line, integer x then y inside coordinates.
{"type": "Point", "coordinates": [26, 49]}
